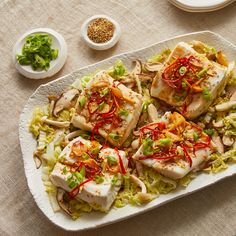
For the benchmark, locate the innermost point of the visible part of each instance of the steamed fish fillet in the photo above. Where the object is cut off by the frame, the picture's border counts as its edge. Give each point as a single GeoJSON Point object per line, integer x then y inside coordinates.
{"type": "Point", "coordinates": [174, 169]}
{"type": "Point", "coordinates": [99, 195]}
{"type": "Point", "coordinates": [80, 119]}
{"type": "Point", "coordinates": [198, 104]}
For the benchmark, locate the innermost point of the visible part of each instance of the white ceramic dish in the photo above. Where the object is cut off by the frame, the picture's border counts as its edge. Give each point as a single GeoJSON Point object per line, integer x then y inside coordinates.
{"type": "Point", "coordinates": [39, 98]}
{"type": "Point", "coordinates": [201, 5]}
{"type": "Point", "coordinates": [101, 46]}
{"type": "Point", "coordinates": [58, 42]}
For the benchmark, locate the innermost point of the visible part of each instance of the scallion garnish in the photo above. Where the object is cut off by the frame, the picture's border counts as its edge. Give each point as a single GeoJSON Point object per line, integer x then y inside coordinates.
{"type": "Point", "coordinates": [111, 160]}
{"type": "Point", "coordinates": [114, 180]}
{"type": "Point", "coordinates": [209, 132]}
{"type": "Point", "coordinates": [38, 52]}
{"type": "Point", "coordinates": [123, 112]}
{"type": "Point", "coordinates": [206, 94]}
{"type": "Point", "coordinates": [165, 142]}
{"type": "Point", "coordinates": [182, 70]}
{"type": "Point", "coordinates": [104, 92]}
{"type": "Point", "coordinates": [98, 179]}
{"type": "Point", "coordinates": [113, 136]}
{"type": "Point", "coordinates": [195, 136]}
{"type": "Point", "coordinates": [82, 101]}
{"type": "Point", "coordinates": [201, 73]}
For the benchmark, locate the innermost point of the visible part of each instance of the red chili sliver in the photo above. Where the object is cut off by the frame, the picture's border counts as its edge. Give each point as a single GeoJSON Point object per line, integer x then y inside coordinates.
{"type": "Point", "coordinates": [75, 191]}
{"type": "Point", "coordinates": [109, 114]}
{"type": "Point", "coordinates": [120, 162]}
{"type": "Point", "coordinates": [189, 159]}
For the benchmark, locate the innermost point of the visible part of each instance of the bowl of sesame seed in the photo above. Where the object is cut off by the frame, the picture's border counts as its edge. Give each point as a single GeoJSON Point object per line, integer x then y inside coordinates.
{"type": "Point", "coordinates": [100, 32]}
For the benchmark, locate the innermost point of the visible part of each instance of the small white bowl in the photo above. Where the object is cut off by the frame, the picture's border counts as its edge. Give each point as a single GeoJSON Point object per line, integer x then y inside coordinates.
{"type": "Point", "coordinates": [58, 42]}
{"type": "Point", "coordinates": [101, 46]}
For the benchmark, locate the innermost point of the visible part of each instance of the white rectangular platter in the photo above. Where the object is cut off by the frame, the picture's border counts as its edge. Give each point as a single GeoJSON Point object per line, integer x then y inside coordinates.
{"type": "Point", "coordinates": [39, 97]}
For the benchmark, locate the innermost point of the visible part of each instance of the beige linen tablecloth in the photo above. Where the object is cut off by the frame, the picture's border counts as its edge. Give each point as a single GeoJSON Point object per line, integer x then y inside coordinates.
{"type": "Point", "coordinates": [211, 211]}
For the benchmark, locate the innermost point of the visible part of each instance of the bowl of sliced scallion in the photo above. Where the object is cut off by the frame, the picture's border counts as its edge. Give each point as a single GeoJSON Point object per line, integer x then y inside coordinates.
{"type": "Point", "coordinates": [40, 53]}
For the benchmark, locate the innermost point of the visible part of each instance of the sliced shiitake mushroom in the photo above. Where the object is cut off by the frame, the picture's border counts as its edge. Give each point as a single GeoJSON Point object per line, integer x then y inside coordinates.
{"type": "Point", "coordinates": [153, 67]}
{"type": "Point", "coordinates": [137, 68]}
{"type": "Point", "coordinates": [65, 101]}
{"type": "Point", "coordinates": [225, 106]}
{"type": "Point", "coordinates": [37, 158]}
{"type": "Point", "coordinates": [227, 140]}
{"type": "Point", "coordinates": [61, 202]}
{"type": "Point", "coordinates": [138, 182]}
{"type": "Point", "coordinates": [73, 134]}
{"type": "Point", "coordinates": [218, 124]}
{"type": "Point", "coordinates": [217, 142]}
{"type": "Point", "coordinates": [59, 124]}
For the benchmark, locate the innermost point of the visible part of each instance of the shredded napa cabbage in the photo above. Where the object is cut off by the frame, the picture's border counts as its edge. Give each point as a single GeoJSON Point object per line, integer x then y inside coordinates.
{"type": "Point", "coordinates": [66, 115]}
{"type": "Point", "coordinates": [232, 80]}
{"type": "Point", "coordinates": [82, 82]}
{"type": "Point", "coordinates": [219, 161]}
{"type": "Point", "coordinates": [36, 125]}
{"type": "Point", "coordinates": [147, 99]}
{"type": "Point", "coordinates": [161, 57]}
{"type": "Point", "coordinates": [118, 70]}
{"type": "Point", "coordinates": [77, 207]}
{"type": "Point", "coordinates": [155, 183]}
{"type": "Point", "coordinates": [185, 181]}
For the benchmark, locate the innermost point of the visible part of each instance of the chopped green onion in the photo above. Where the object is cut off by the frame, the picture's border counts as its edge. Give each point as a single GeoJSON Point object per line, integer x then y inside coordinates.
{"type": "Point", "coordinates": [126, 176]}
{"type": "Point", "coordinates": [85, 79]}
{"type": "Point", "coordinates": [160, 57]}
{"type": "Point", "coordinates": [111, 160]}
{"type": "Point", "coordinates": [85, 156]}
{"type": "Point", "coordinates": [104, 92]}
{"type": "Point", "coordinates": [165, 142]}
{"type": "Point", "coordinates": [184, 85]}
{"type": "Point", "coordinates": [82, 101]}
{"type": "Point", "coordinates": [98, 179]}
{"type": "Point", "coordinates": [78, 176]}
{"type": "Point", "coordinates": [206, 94]}
{"type": "Point", "coordinates": [101, 106]}
{"type": "Point", "coordinates": [209, 132]}
{"type": "Point", "coordinates": [113, 136]}
{"type": "Point", "coordinates": [147, 142]}
{"type": "Point", "coordinates": [209, 49]}
{"type": "Point", "coordinates": [95, 151]}
{"type": "Point", "coordinates": [83, 171]}
{"type": "Point", "coordinates": [180, 151]}
{"type": "Point", "coordinates": [73, 184]}
{"type": "Point", "coordinates": [123, 112]}
{"type": "Point", "coordinates": [195, 136]}
{"type": "Point", "coordinates": [147, 146]}
{"type": "Point", "coordinates": [37, 52]}
{"type": "Point", "coordinates": [178, 98]}
{"type": "Point", "coordinates": [182, 70]}
{"type": "Point", "coordinates": [114, 180]}
{"type": "Point", "coordinates": [201, 73]}
{"type": "Point", "coordinates": [119, 68]}
{"type": "Point", "coordinates": [64, 171]}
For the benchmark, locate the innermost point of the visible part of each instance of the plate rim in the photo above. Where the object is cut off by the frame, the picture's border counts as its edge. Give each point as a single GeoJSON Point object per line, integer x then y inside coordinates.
{"type": "Point", "coordinates": [21, 129]}
{"type": "Point", "coordinates": [200, 9]}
